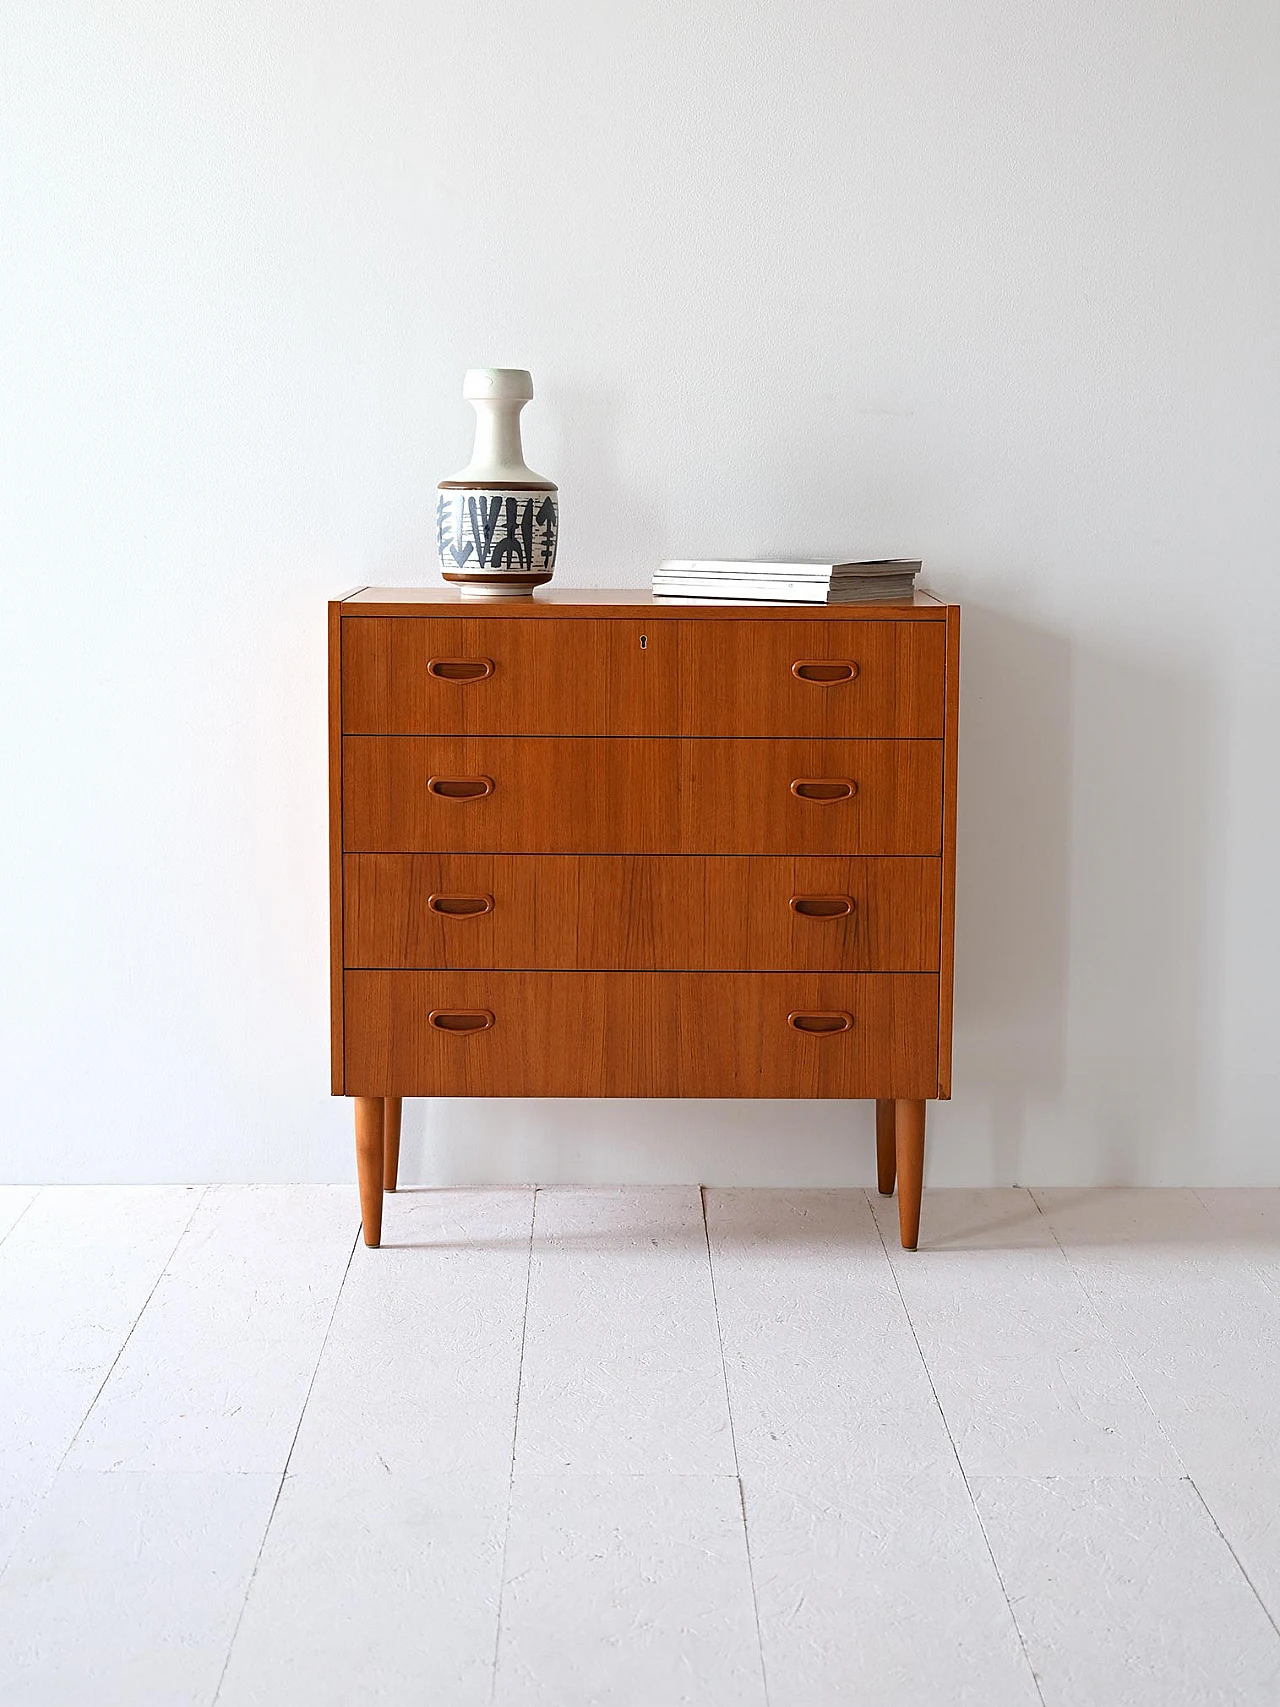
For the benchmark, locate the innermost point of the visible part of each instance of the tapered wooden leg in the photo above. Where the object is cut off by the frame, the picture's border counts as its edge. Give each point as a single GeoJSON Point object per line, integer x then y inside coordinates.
{"type": "Point", "coordinates": [910, 1148]}
{"type": "Point", "coordinates": [391, 1144]}
{"type": "Point", "coordinates": [886, 1145]}
{"type": "Point", "coordinates": [370, 1122]}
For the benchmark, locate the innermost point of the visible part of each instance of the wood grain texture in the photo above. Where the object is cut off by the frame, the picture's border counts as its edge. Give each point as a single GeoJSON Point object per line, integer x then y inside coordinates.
{"type": "Point", "coordinates": [947, 935]}
{"type": "Point", "coordinates": [738, 679]}
{"type": "Point", "coordinates": [910, 1158]}
{"type": "Point", "coordinates": [692, 1034]}
{"type": "Point", "coordinates": [370, 1130]}
{"type": "Point", "coordinates": [555, 795]}
{"type": "Point", "coordinates": [556, 678]}
{"type": "Point", "coordinates": [335, 848]}
{"type": "Point", "coordinates": [634, 677]}
{"type": "Point", "coordinates": [594, 602]}
{"type": "Point", "coordinates": [565, 912]}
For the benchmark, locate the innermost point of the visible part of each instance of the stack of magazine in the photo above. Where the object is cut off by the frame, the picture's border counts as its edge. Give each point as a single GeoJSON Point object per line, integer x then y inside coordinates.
{"type": "Point", "coordinates": [709, 582]}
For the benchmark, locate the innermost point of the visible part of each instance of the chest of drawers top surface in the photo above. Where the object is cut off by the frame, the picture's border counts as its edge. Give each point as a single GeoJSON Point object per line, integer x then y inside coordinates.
{"type": "Point", "coordinates": [616, 601]}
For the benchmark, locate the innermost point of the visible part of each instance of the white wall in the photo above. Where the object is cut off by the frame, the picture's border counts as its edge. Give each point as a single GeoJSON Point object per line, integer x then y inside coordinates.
{"type": "Point", "coordinates": [989, 281]}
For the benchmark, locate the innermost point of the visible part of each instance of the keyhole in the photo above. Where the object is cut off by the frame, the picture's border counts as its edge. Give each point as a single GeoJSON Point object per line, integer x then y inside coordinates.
{"type": "Point", "coordinates": [644, 641]}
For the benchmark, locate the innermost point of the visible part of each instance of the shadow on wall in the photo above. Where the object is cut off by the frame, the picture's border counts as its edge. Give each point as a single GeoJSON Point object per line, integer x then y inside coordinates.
{"type": "Point", "coordinates": [1142, 962]}
{"type": "Point", "coordinates": [589, 457]}
{"type": "Point", "coordinates": [1012, 880]}
{"type": "Point", "coordinates": [1082, 910]}
{"type": "Point", "coordinates": [1081, 963]}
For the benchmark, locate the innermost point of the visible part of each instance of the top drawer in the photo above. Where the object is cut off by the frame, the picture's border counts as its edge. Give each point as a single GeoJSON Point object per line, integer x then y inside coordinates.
{"type": "Point", "coordinates": [615, 676]}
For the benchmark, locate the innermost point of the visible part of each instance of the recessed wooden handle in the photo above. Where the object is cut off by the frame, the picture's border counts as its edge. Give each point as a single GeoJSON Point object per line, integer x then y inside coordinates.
{"type": "Point", "coordinates": [460, 1021]}
{"type": "Point", "coordinates": [460, 787]}
{"type": "Point", "coordinates": [460, 669]}
{"type": "Point", "coordinates": [824, 789]}
{"type": "Point", "coordinates": [460, 906]}
{"type": "Point", "coordinates": [824, 672]}
{"type": "Point", "coordinates": [825, 1022]}
{"type": "Point", "coordinates": [822, 906]}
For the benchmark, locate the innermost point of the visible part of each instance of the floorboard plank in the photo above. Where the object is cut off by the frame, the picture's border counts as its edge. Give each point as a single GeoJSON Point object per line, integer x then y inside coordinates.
{"type": "Point", "coordinates": [822, 1367]}
{"type": "Point", "coordinates": [215, 1375]}
{"type": "Point", "coordinates": [628, 1591]}
{"type": "Point", "coordinates": [1029, 1379]}
{"type": "Point", "coordinates": [75, 1273]}
{"type": "Point", "coordinates": [1126, 1595]}
{"type": "Point", "coordinates": [374, 1588]}
{"type": "Point", "coordinates": [1190, 1313]}
{"type": "Point", "coordinates": [125, 1589]}
{"type": "Point", "coordinates": [1250, 1217]}
{"type": "Point", "coordinates": [878, 1591]}
{"type": "Point", "coordinates": [15, 1200]}
{"type": "Point", "coordinates": [1247, 1511]}
{"type": "Point", "coordinates": [421, 1366]}
{"type": "Point", "coordinates": [622, 1358]}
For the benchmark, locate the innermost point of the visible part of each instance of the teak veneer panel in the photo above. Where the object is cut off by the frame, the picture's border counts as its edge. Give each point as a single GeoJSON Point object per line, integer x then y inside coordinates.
{"type": "Point", "coordinates": [641, 1034]}
{"type": "Point", "coordinates": [737, 679]}
{"type": "Point", "coordinates": [635, 677]}
{"type": "Point", "coordinates": [641, 912]}
{"type": "Point", "coordinates": [555, 795]}
{"type": "Point", "coordinates": [549, 678]}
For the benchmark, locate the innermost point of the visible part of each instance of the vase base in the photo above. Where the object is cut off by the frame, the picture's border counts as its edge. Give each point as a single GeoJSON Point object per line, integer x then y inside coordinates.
{"type": "Point", "coordinates": [498, 586]}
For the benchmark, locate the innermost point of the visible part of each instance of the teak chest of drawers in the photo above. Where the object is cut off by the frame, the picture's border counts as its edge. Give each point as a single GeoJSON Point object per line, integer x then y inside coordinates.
{"type": "Point", "coordinates": [589, 844]}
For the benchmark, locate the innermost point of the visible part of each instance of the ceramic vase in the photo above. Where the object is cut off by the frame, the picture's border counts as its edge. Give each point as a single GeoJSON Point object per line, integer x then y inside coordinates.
{"type": "Point", "coordinates": [497, 521]}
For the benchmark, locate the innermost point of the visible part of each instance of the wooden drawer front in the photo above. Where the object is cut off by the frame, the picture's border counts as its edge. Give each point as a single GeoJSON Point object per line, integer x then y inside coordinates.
{"type": "Point", "coordinates": [789, 679]}
{"type": "Point", "coordinates": [641, 912]}
{"type": "Point", "coordinates": [652, 1034]}
{"type": "Point", "coordinates": [548, 677]}
{"type": "Point", "coordinates": [424, 676]}
{"type": "Point", "coordinates": [639, 796]}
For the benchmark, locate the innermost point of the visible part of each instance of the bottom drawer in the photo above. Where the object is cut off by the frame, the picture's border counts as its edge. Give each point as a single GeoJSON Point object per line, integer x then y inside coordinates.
{"type": "Point", "coordinates": [641, 1034]}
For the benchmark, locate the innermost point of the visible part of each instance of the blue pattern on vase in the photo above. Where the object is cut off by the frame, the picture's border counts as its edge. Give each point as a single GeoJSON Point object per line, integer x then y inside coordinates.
{"type": "Point", "coordinates": [505, 533]}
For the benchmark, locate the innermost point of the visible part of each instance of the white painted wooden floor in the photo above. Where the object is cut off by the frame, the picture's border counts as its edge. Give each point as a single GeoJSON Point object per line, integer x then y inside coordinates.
{"type": "Point", "coordinates": [639, 1446]}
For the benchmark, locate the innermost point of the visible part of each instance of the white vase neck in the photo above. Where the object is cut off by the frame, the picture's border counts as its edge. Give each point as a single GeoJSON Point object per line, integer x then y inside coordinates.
{"type": "Point", "coordinates": [497, 455]}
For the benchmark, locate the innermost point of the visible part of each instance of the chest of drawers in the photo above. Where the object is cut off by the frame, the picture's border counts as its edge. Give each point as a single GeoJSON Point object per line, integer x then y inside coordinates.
{"type": "Point", "coordinates": [592, 845]}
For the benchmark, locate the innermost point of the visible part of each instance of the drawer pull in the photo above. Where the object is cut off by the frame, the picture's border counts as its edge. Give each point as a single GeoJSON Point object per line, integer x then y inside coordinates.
{"type": "Point", "coordinates": [824, 1023]}
{"type": "Point", "coordinates": [822, 906]}
{"type": "Point", "coordinates": [823, 789]}
{"type": "Point", "coordinates": [825, 672]}
{"type": "Point", "coordinates": [460, 669]}
{"type": "Point", "coordinates": [460, 906]}
{"type": "Point", "coordinates": [460, 1021]}
{"type": "Point", "coordinates": [460, 787]}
